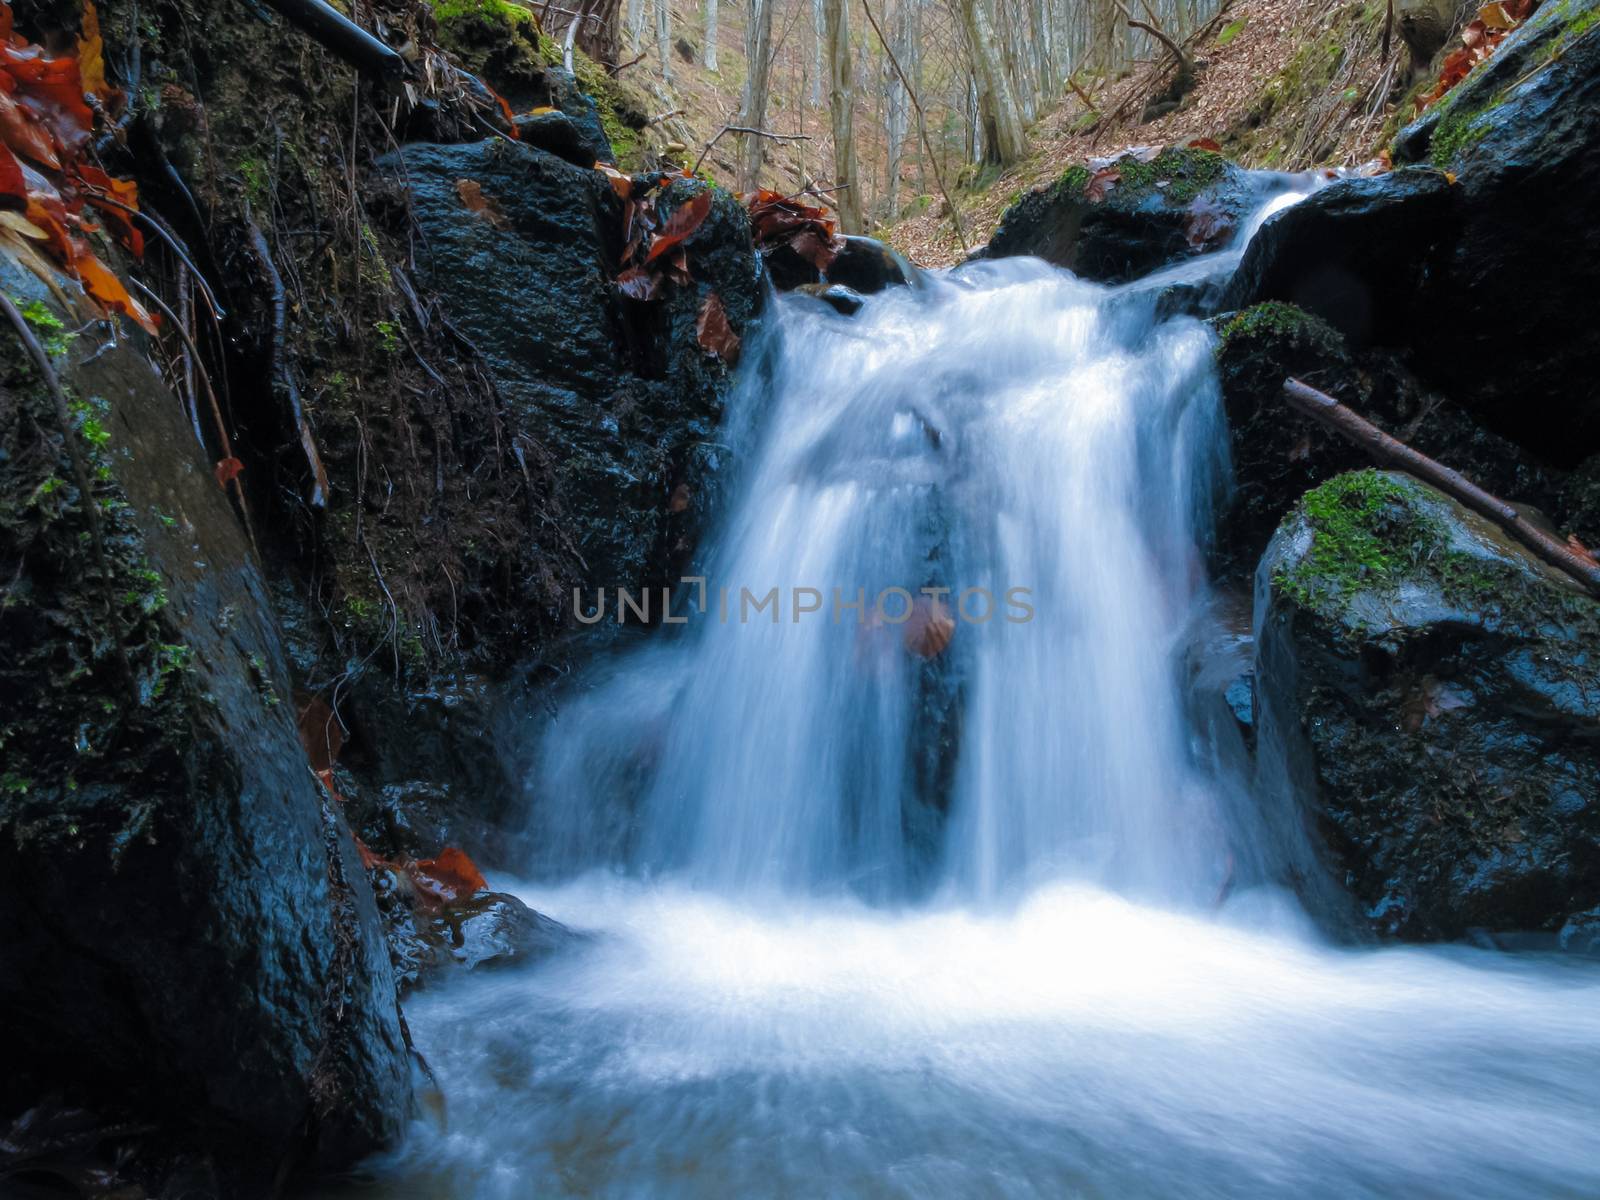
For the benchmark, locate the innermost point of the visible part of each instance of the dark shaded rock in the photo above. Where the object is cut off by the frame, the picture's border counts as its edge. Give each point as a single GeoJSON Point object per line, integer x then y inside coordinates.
{"type": "Point", "coordinates": [1184, 203]}
{"type": "Point", "coordinates": [558, 134]}
{"type": "Point", "coordinates": [190, 935]}
{"type": "Point", "coordinates": [1277, 454]}
{"type": "Point", "coordinates": [1522, 135]}
{"type": "Point", "coordinates": [1443, 687]}
{"type": "Point", "coordinates": [1581, 933]}
{"type": "Point", "coordinates": [866, 265]}
{"type": "Point", "coordinates": [1355, 253]}
{"type": "Point", "coordinates": [616, 395]}
{"type": "Point", "coordinates": [1424, 25]}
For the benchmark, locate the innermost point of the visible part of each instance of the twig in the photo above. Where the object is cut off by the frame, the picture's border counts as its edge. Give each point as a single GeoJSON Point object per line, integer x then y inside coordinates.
{"type": "Point", "coordinates": [751, 131]}
{"type": "Point", "coordinates": [1327, 411]}
{"type": "Point", "coordinates": [80, 476]}
{"type": "Point", "coordinates": [922, 127]}
{"type": "Point", "coordinates": [174, 243]}
{"type": "Point", "coordinates": [342, 36]}
{"type": "Point", "coordinates": [1081, 94]}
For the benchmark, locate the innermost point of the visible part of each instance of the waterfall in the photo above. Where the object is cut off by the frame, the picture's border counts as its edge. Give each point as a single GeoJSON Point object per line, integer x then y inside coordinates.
{"type": "Point", "coordinates": [955, 906]}
{"type": "Point", "coordinates": [1041, 451]}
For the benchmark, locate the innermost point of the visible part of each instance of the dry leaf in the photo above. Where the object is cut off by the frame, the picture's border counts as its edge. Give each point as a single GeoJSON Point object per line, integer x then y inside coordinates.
{"type": "Point", "coordinates": [714, 333]}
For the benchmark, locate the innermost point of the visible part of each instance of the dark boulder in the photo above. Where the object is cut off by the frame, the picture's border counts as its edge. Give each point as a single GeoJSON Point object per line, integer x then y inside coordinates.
{"type": "Point", "coordinates": [558, 134]}
{"type": "Point", "coordinates": [616, 395]}
{"type": "Point", "coordinates": [1277, 454]}
{"type": "Point", "coordinates": [1511, 331]}
{"type": "Point", "coordinates": [844, 301]}
{"type": "Point", "coordinates": [1436, 690]}
{"type": "Point", "coordinates": [1182, 203]}
{"type": "Point", "coordinates": [190, 937]}
{"type": "Point", "coordinates": [1355, 253]}
{"type": "Point", "coordinates": [865, 265]}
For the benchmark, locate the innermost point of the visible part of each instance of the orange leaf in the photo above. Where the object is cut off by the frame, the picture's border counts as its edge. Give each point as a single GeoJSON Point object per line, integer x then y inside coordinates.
{"type": "Point", "coordinates": [1205, 143]}
{"type": "Point", "coordinates": [449, 877]}
{"type": "Point", "coordinates": [471, 193]}
{"type": "Point", "coordinates": [20, 130]}
{"type": "Point", "coordinates": [91, 59]}
{"type": "Point", "coordinates": [105, 287]}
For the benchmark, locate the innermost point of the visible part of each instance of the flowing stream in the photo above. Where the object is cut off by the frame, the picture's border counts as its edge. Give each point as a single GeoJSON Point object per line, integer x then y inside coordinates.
{"type": "Point", "coordinates": [864, 919]}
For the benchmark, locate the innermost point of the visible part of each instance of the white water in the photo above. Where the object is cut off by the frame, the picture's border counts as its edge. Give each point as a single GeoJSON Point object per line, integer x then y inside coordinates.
{"type": "Point", "coordinates": [807, 979]}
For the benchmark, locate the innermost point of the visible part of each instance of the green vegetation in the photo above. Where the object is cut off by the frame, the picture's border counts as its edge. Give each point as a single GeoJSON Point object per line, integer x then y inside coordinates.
{"type": "Point", "coordinates": [1231, 30]}
{"type": "Point", "coordinates": [50, 328]}
{"type": "Point", "coordinates": [1273, 318]}
{"type": "Point", "coordinates": [1367, 532]}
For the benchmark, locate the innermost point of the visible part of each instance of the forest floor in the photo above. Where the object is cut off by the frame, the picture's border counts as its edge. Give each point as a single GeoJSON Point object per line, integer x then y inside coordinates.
{"type": "Point", "coordinates": [1285, 84]}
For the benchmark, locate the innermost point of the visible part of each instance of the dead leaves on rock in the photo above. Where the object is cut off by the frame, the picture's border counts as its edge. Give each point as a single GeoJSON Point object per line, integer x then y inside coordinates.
{"type": "Point", "coordinates": [779, 220]}
{"type": "Point", "coordinates": [654, 249]}
{"type": "Point", "coordinates": [712, 331]}
{"type": "Point", "coordinates": [46, 182]}
{"type": "Point", "coordinates": [1479, 40]}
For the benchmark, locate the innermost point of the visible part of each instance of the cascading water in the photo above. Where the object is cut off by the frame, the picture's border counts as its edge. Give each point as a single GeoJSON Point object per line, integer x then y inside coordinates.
{"type": "Point", "coordinates": [872, 920]}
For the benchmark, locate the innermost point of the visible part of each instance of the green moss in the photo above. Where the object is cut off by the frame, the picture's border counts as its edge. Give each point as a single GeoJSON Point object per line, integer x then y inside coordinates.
{"type": "Point", "coordinates": [1273, 318]}
{"type": "Point", "coordinates": [1368, 533]}
{"type": "Point", "coordinates": [1231, 30]}
{"type": "Point", "coordinates": [1185, 172]}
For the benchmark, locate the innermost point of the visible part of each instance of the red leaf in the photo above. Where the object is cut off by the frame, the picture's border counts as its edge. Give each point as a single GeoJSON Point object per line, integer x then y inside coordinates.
{"type": "Point", "coordinates": [681, 225]}
{"type": "Point", "coordinates": [1205, 143]}
{"type": "Point", "coordinates": [449, 877]}
{"type": "Point", "coordinates": [227, 470]}
{"type": "Point", "coordinates": [712, 331]}
{"type": "Point", "coordinates": [13, 187]}
{"type": "Point", "coordinates": [638, 284]}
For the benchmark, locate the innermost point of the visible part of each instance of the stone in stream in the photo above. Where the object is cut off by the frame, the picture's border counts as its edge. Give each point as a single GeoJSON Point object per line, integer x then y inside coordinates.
{"type": "Point", "coordinates": [1178, 204]}
{"type": "Point", "coordinates": [865, 266]}
{"type": "Point", "coordinates": [191, 941]}
{"type": "Point", "coordinates": [1434, 692]}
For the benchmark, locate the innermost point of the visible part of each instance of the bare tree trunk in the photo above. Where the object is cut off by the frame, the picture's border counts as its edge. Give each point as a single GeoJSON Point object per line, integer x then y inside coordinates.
{"type": "Point", "coordinates": [819, 24]}
{"type": "Point", "coordinates": [758, 49]}
{"type": "Point", "coordinates": [841, 105]}
{"type": "Point", "coordinates": [1004, 139]}
{"type": "Point", "coordinates": [898, 120]}
{"type": "Point", "coordinates": [664, 37]}
{"type": "Point", "coordinates": [708, 56]}
{"type": "Point", "coordinates": [1104, 27]}
{"type": "Point", "coordinates": [636, 25]}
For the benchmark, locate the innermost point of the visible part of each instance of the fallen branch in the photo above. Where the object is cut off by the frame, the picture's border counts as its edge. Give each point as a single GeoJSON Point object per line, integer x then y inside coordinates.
{"type": "Point", "coordinates": [1081, 94]}
{"type": "Point", "coordinates": [1327, 411]}
{"type": "Point", "coordinates": [342, 36]}
{"type": "Point", "coordinates": [922, 128]}
{"type": "Point", "coordinates": [752, 132]}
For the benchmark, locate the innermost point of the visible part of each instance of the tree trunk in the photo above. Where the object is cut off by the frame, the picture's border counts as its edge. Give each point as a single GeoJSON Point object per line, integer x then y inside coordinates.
{"type": "Point", "coordinates": [1003, 136]}
{"type": "Point", "coordinates": [1103, 56]}
{"type": "Point", "coordinates": [819, 24]}
{"type": "Point", "coordinates": [664, 37]}
{"type": "Point", "coordinates": [841, 104]}
{"type": "Point", "coordinates": [758, 50]}
{"type": "Point", "coordinates": [708, 56]}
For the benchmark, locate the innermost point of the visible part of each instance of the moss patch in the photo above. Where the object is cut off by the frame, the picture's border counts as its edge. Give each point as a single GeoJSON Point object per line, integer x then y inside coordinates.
{"type": "Point", "coordinates": [1368, 533]}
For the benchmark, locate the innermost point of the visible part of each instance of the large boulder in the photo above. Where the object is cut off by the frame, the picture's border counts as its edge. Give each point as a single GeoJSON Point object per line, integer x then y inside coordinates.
{"type": "Point", "coordinates": [1355, 253]}
{"type": "Point", "coordinates": [191, 940]}
{"type": "Point", "coordinates": [1511, 331]}
{"type": "Point", "coordinates": [616, 396]}
{"type": "Point", "coordinates": [1435, 691]}
{"type": "Point", "coordinates": [1277, 454]}
{"type": "Point", "coordinates": [1130, 217]}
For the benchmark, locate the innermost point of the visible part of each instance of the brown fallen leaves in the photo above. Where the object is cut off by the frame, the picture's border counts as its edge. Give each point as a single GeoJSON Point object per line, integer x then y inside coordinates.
{"type": "Point", "coordinates": [779, 220]}
{"type": "Point", "coordinates": [1479, 40]}
{"type": "Point", "coordinates": [470, 192]}
{"type": "Point", "coordinates": [714, 333]}
{"type": "Point", "coordinates": [46, 179]}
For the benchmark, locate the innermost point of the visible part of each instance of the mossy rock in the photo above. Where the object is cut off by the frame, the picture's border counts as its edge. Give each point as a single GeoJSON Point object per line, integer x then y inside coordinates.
{"type": "Point", "coordinates": [1439, 688]}
{"type": "Point", "coordinates": [1182, 203]}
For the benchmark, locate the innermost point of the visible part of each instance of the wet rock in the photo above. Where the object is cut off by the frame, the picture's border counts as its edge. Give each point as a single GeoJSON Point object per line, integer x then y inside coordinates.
{"type": "Point", "coordinates": [1278, 455]}
{"type": "Point", "coordinates": [190, 935]}
{"type": "Point", "coordinates": [490, 929]}
{"type": "Point", "coordinates": [1442, 690]}
{"type": "Point", "coordinates": [617, 395]}
{"type": "Point", "coordinates": [1183, 203]}
{"type": "Point", "coordinates": [866, 266]}
{"type": "Point", "coordinates": [1522, 135]}
{"type": "Point", "coordinates": [1355, 254]}
{"type": "Point", "coordinates": [558, 134]}
{"type": "Point", "coordinates": [843, 300]}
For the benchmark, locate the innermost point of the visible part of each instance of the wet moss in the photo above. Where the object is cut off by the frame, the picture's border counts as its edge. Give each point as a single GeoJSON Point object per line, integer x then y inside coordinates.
{"type": "Point", "coordinates": [1273, 318]}
{"type": "Point", "coordinates": [1368, 532]}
